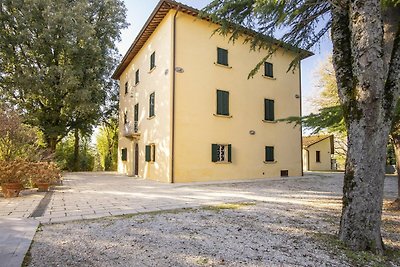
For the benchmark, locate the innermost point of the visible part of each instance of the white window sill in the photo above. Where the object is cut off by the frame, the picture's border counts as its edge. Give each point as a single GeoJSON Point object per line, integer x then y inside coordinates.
{"type": "Point", "coordinates": [150, 71]}
{"type": "Point", "coordinates": [270, 121]}
{"type": "Point", "coordinates": [222, 162]}
{"type": "Point", "coordinates": [270, 162]}
{"type": "Point", "coordinates": [152, 117]}
{"type": "Point", "coordinates": [222, 116]}
{"type": "Point", "coordinates": [269, 78]}
{"type": "Point", "coordinates": [224, 66]}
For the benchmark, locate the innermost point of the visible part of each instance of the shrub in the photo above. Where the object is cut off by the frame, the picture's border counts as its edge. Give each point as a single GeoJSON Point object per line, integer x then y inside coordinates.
{"type": "Point", "coordinates": [44, 172]}
{"type": "Point", "coordinates": [13, 172]}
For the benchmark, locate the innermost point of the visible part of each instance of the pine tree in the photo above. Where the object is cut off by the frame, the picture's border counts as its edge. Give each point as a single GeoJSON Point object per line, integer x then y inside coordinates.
{"type": "Point", "coordinates": [366, 57]}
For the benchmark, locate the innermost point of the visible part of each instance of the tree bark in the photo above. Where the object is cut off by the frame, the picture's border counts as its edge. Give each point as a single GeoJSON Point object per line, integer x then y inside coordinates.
{"type": "Point", "coordinates": [76, 150]}
{"type": "Point", "coordinates": [51, 143]}
{"type": "Point", "coordinates": [396, 144]}
{"type": "Point", "coordinates": [358, 38]}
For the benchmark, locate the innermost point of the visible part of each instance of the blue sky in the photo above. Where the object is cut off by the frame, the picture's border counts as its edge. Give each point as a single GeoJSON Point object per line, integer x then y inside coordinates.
{"type": "Point", "coordinates": [139, 11]}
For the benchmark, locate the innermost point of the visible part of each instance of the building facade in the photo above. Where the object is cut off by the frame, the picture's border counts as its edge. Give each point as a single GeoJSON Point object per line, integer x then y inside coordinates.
{"type": "Point", "coordinates": [318, 152]}
{"type": "Point", "coordinates": [188, 111]}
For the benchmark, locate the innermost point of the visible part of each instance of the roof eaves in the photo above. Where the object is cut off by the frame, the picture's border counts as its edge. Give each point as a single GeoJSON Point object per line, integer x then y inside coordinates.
{"type": "Point", "coordinates": [168, 5]}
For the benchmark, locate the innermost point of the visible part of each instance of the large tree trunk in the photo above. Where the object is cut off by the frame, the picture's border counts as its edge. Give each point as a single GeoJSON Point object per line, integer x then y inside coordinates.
{"type": "Point", "coordinates": [367, 90]}
{"type": "Point", "coordinates": [360, 225]}
{"type": "Point", "coordinates": [51, 143]}
{"type": "Point", "coordinates": [396, 144]}
{"type": "Point", "coordinates": [76, 150]}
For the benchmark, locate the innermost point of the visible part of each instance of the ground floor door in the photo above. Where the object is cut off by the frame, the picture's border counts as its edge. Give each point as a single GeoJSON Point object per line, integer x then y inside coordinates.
{"type": "Point", "coordinates": [136, 167]}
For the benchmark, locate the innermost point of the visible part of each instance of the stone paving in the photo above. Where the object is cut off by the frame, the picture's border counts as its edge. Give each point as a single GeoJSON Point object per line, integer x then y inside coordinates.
{"type": "Point", "coordinates": [21, 207]}
{"type": "Point", "coordinates": [95, 195]}
{"type": "Point", "coordinates": [16, 235]}
{"type": "Point", "coordinates": [91, 195]}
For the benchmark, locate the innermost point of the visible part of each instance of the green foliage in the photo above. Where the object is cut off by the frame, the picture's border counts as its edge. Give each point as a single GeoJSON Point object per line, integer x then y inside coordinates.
{"type": "Point", "coordinates": [107, 145]}
{"type": "Point", "coordinates": [296, 23]}
{"type": "Point", "coordinates": [18, 140]}
{"type": "Point", "coordinates": [56, 59]}
{"type": "Point", "coordinates": [65, 154]}
{"type": "Point", "coordinates": [390, 256]}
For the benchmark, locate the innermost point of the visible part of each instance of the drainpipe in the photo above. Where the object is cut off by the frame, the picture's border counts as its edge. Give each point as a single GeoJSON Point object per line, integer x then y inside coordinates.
{"type": "Point", "coordinates": [301, 125]}
{"type": "Point", "coordinates": [173, 97]}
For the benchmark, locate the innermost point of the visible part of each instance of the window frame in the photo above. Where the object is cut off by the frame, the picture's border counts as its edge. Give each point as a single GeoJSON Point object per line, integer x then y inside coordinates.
{"type": "Point", "coordinates": [137, 77]}
{"type": "Point", "coordinates": [267, 110]}
{"type": "Point", "coordinates": [126, 88]}
{"type": "Point", "coordinates": [124, 154]}
{"type": "Point", "coordinates": [216, 153]}
{"type": "Point", "coordinates": [152, 105]}
{"type": "Point", "coordinates": [153, 61]}
{"type": "Point", "coordinates": [150, 153]}
{"type": "Point", "coordinates": [222, 56]}
{"type": "Point", "coordinates": [271, 149]}
{"type": "Point", "coordinates": [223, 104]}
{"type": "Point", "coordinates": [318, 156]}
{"type": "Point", "coordinates": [125, 119]}
{"type": "Point", "coordinates": [268, 66]}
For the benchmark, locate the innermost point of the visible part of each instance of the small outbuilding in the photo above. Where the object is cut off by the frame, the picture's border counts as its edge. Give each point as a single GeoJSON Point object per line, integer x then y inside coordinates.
{"type": "Point", "coordinates": [318, 151]}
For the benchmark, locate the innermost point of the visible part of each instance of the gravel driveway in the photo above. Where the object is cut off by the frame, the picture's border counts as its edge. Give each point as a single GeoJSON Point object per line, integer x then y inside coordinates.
{"type": "Point", "coordinates": [282, 223]}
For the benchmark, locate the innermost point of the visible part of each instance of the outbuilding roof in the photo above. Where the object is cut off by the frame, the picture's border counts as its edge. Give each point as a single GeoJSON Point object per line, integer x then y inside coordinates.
{"type": "Point", "coordinates": [314, 139]}
{"type": "Point", "coordinates": [158, 14]}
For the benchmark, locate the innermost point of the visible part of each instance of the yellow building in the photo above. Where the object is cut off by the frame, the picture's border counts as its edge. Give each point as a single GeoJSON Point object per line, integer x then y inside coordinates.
{"type": "Point", "coordinates": [189, 113]}
{"type": "Point", "coordinates": [318, 151]}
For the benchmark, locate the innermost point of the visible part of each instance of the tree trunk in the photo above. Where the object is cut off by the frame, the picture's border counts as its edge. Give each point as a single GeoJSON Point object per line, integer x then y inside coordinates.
{"type": "Point", "coordinates": [51, 143]}
{"type": "Point", "coordinates": [360, 225]}
{"type": "Point", "coordinates": [76, 150]}
{"type": "Point", "coordinates": [396, 144]}
{"type": "Point", "coordinates": [367, 97]}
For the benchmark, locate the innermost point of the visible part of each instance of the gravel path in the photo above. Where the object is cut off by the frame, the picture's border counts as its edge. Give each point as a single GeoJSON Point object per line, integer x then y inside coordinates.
{"type": "Point", "coordinates": [288, 225]}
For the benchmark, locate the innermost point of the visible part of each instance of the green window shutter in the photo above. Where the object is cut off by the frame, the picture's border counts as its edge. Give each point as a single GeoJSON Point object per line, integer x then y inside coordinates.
{"type": "Point", "coordinates": [269, 107]}
{"type": "Point", "coordinates": [136, 115]}
{"type": "Point", "coordinates": [153, 60]}
{"type": "Point", "coordinates": [222, 56]}
{"type": "Point", "coordinates": [148, 153]}
{"type": "Point", "coordinates": [126, 87]}
{"type": "Point", "coordinates": [125, 117]}
{"type": "Point", "coordinates": [137, 77]}
{"type": "Point", "coordinates": [269, 153]}
{"type": "Point", "coordinates": [222, 103]}
{"type": "Point", "coordinates": [153, 154]}
{"type": "Point", "coordinates": [214, 152]}
{"type": "Point", "coordinates": [152, 105]}
{"type": "Point", "coordinates": [229, 153]}
{"type": "Point", "coordinates": [268, 69]}
{"type": "Point", "coordinates": [124, 154]}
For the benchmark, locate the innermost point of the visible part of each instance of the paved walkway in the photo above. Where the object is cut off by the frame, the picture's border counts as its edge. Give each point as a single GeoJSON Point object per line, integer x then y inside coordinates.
{"type": "Point", "coordinates": [16, 235]}
{"type": "Point", "coordinates": [95, 195]}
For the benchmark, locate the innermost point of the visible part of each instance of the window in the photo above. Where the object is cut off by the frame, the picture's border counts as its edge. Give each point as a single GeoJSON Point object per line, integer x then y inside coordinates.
{"type": "Point", "coordinates": [137, 80]}
{"type": "Point", "coordinates": [136, 118]}
{"type": "Point", "coordinates": [153, 61]}
{"type": "Point", "coordinates": [152, 105]}
{"type": "Point", "coordinates": [318, 156]}
{"type": "Point", "coordinates": [124, 154]}
{"type": "Point", "coordinates": [222, 56]}
{"type": "Point", "coordinates": [269, 110]}
{"type": "Point", "coordinates": [268, 70]}
{"type": "Point", "coordinates": [125, 117]}
{"type": "Point", "coordinates": [269, 154]}
{"type": "Point", "coordinates": [126, 87]}
{"type": "Point", "coordinates": [221, 153]}
{"type": "Point", "coordinates": [222, 103]}
{"type": "Point", "coordinates": [151, 153]}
